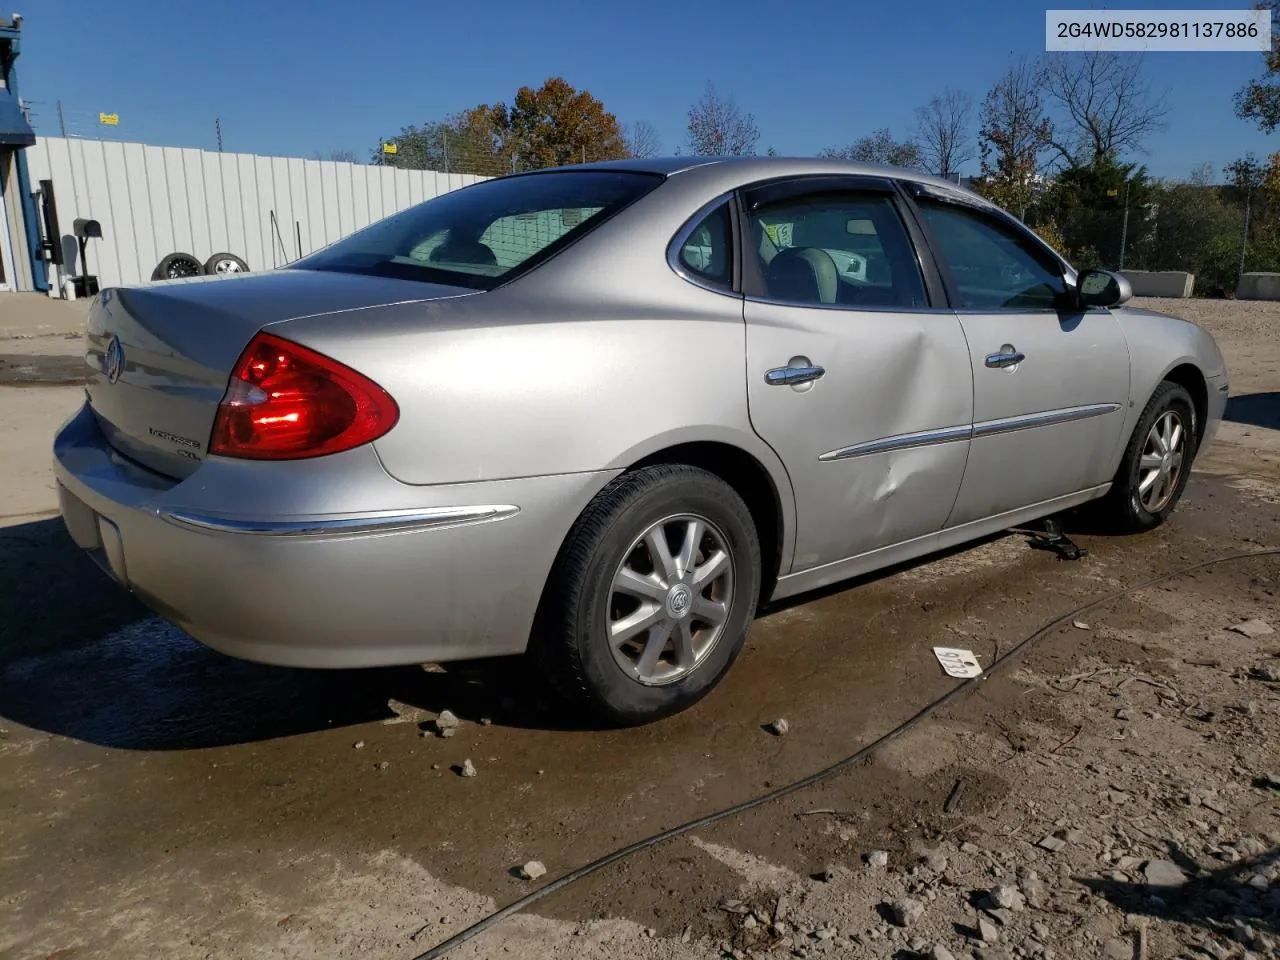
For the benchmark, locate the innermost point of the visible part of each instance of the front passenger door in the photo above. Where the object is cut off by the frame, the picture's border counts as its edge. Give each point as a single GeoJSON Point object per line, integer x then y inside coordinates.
{"type": "Point", "coordinates": [1050, 385]}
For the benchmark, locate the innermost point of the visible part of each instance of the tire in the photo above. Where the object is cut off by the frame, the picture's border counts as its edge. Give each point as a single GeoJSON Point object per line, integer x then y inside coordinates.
{"type": "Point", "coordinates": [177, 265]}
{"type": "Point", "coordinates": [225, 263]}
{"type": "Point", "coordinates": [1127, 507]}
{"type": "Point", "coordinates": [581, 604]}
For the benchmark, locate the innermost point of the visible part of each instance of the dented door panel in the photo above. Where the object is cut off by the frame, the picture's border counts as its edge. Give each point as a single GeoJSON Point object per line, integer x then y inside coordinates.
{"type": "Point", "coordinates": [876, 446]}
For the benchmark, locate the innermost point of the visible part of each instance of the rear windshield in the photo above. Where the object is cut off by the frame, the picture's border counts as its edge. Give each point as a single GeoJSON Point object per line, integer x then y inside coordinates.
{"type": "Point", "coordinates": [484, 234]}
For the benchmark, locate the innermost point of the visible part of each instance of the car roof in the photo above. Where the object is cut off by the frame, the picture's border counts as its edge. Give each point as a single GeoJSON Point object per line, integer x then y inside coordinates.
{"type": "Point", "coordinates": [735, 170]}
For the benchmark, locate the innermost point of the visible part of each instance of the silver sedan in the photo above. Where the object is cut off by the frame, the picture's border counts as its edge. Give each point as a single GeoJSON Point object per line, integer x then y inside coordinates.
{"type": "Point", "coordinates": [597, 415]}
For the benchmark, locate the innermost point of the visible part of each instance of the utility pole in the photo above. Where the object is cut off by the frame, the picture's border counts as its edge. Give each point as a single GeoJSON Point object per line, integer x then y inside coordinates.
{"type": "Point", "coordinates": [62, 124]}
{"type": "Point", "coordinates": [217, 126]}
{"type": "Point", "coordinates": [1124, 230]}
{"type": "Point", "coordinates": [1244, 237]}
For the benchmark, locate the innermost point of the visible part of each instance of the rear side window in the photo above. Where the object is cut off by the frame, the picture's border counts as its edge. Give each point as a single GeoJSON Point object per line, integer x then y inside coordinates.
{"type": "Point", "coordinates": [707, 253]}
{"type": "Point", "coordinates": [847, 249]}
{"type": "Point", "coordinates": [481, 235]}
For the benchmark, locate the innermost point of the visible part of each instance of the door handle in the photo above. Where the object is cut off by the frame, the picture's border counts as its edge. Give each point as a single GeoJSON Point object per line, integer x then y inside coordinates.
{"type": "Point", "coordinates": [782, 376]}
{"type": "Point", "coordinates": [1007, 357]}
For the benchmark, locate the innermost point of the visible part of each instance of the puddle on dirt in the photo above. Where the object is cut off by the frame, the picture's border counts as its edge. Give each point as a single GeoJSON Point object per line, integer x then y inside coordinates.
{"type": "Point", "coordinates": [18, 370]}
{"type": "Point", "coordinates": [149, 686]}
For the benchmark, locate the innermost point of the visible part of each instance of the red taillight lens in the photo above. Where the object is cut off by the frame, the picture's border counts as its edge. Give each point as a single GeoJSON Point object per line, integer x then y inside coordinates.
{"type": "Point", "coordinates": [285, 402]}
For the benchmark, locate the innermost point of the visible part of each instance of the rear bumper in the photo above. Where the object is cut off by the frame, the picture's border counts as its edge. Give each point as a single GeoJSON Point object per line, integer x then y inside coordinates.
{"type": "Point", "coordinates": [321, 563]}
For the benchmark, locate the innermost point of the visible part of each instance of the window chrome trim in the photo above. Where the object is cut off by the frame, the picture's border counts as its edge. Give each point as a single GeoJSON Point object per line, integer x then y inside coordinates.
{"type": "Point", "coordinates": [398, 521]}
{"type": "Point", "coordinates": [985, 428]}
{"type": "Point", "coordinates": [847, 307]}
{"type": "Point", "coordinates": [686, 231]}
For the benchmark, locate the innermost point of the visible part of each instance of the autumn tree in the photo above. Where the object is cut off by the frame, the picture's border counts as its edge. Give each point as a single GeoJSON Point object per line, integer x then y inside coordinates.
{"type": "Point", "coordinates": [944, 130]}
{"type": "Point", "coordinates": [1259, 99]}
{"type": "Point", "coordinates": [1013, 137]}
{"type": "Point", "coordinates": [1104, 108]}
{"type": "Point", "coordinates": [550, 126]}
{"type": "Point", "coordinates": [642, 140]}
{"type": "Point", "coordinates": [879, 147]}
{"type": "Point", "coordinates": [717, 128]}
{"type": "Point", "coordinates": [556, 125]}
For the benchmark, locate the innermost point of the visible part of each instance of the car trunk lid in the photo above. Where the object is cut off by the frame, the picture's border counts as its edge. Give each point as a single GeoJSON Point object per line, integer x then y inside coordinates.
{"type": "Point", "coordinates": [159, 356]}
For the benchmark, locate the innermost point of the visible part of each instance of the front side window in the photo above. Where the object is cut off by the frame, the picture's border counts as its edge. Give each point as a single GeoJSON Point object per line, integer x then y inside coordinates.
{"type": "Point", "coordinates": [845, 249]}
{"type": "Point", "coordinates": [707, 253]}
{"type": "Point", "coordinates": [993, 267]}
{"type": "Point", "coordinates": [478, 236]}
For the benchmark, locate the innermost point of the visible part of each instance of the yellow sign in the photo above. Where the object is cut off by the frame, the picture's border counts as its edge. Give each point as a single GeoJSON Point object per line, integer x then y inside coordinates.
{"type": "Point", "coordinates": [109, 119]}
{"type": "Point", "coordinates": [390, 148]}
{"type": "Point", "coordinates": [1113, 193]}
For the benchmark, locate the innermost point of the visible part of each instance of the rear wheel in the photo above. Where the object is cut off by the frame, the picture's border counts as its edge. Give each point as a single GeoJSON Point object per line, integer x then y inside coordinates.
{"type": "Point", "coordinates": [1157, 462]}
{"type": "Point", "coordinates": [652, 593]}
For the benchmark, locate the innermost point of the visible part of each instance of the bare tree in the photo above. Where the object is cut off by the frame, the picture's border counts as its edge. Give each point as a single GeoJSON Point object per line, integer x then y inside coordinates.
{"type": "Point", "coordinates": [717, 128]}
{"type": "Point", "coordinates": [642, 140]}
{"type": "Point", "coordinates": [1106, 107]}
{"type": "Point", "coordinates": [341, 156]}
{"type": "Point", "coordinates": [1014, 136]}
{"type": "Point", "coordinates": [879, 147]}
{"type": "Point", "coordinates": [944, 129]}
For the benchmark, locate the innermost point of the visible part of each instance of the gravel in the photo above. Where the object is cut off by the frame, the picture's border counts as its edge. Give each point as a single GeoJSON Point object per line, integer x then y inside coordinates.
{"type": "Point", "coordinates": [1252, 629]}
{"type": "Point", "coordinates": [1163, 873]}
{"type": "Point", "coordinates": [906, 911]}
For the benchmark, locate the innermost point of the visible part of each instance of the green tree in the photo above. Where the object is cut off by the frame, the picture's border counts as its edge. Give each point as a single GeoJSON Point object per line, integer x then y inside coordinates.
{"type": "Point", "coordinates": [1259, 99]}
{"type": "Point", "coordinates": [1088, 202]}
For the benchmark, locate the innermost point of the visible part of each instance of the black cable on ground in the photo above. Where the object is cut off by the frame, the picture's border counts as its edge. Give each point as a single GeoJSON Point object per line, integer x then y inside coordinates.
{"type": "Point", "coordinates": [440, 949]}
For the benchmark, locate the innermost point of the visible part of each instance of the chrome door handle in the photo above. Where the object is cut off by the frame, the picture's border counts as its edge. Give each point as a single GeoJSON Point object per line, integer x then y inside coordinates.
{"type": "Point", "coordinates": [1007, 357]}
{"type": "Point", "coordinates": [781, 376]}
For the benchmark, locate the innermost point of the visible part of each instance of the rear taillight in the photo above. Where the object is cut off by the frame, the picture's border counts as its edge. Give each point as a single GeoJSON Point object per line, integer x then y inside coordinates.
{"type": "Point", "coordinates": [285, 402]}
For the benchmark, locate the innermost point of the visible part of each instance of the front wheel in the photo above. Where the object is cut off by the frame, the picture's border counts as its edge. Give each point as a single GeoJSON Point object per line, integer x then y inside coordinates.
{"type": "Point", "coordinates": [1157, 462]}
{"type": "Point", "coordinates": [651, 595]}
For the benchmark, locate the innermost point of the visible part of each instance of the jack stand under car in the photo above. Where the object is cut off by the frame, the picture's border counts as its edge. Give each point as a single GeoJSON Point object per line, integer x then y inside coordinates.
{"type": "Point", "coordinates": [1051, 537]}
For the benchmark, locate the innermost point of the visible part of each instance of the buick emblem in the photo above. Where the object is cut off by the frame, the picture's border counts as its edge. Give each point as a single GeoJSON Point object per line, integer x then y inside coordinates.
{"type": "Point", "coordinates": [679, 600]}
{"type": "Point", "coordinates": [114, 360]}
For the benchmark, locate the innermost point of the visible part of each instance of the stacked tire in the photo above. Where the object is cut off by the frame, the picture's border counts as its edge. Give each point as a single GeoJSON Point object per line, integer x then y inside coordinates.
{"type": "Point", "coordinates": [179, 265]}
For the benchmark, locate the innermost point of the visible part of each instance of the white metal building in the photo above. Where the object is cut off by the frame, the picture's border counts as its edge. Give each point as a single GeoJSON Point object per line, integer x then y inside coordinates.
{"type": "Point", "coordinates": [152, 201]}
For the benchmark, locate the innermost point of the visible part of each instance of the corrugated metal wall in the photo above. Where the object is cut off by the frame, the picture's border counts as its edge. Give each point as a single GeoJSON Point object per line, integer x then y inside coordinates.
{"type": "Point", "coordinates": [153, 201]}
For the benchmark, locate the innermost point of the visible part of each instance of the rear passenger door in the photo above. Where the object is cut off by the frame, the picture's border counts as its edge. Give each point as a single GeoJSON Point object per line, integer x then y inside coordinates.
{"type": "Point", "coordinates": [1050, 382]}
{"type": "Point", "coordinates": [856, 380]}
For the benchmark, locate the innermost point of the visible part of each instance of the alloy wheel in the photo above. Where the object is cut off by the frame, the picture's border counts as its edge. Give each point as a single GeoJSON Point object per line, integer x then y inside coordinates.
{"type": "Point", "coordinates": [1163, 455]}
{"type": "Point", "coordinates": [669, 599]}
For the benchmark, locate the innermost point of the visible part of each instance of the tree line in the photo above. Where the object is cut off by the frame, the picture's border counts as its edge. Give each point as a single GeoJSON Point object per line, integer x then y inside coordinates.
{"type": "Point", "coordinates": [1056, 140]}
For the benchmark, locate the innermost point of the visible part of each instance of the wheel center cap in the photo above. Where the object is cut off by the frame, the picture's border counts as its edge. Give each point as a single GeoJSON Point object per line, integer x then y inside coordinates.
{"type": "Point", "coordinates": [679, 600]}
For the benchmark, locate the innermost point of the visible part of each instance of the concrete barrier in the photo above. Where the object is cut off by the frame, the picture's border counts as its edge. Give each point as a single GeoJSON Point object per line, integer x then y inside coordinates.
{"type": "Point", "coordinates": [1258, 286]}
{"type": "Point", "coordinates": [1160, 283]}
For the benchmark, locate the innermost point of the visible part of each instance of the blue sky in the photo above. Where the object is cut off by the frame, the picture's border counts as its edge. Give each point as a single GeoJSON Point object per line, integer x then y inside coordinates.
{"type": "Point", "coordinates": [295, 76]}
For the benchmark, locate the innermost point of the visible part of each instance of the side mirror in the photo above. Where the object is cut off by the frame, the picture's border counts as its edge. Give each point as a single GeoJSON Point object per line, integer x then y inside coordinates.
{"type": "Point", "coordinates": [1102, 288]}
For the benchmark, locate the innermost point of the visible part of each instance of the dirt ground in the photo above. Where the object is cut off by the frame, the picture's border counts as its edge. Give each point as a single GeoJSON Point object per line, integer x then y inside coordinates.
{"type": "Point", "coordinates": [1113, 792]}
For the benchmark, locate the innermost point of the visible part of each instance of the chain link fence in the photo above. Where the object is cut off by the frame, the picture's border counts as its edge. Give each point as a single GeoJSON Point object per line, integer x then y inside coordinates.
{"type": "Point", "coordinates": [451, 151]}
{"type": "Point", "coordinates": [1213, 232]}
